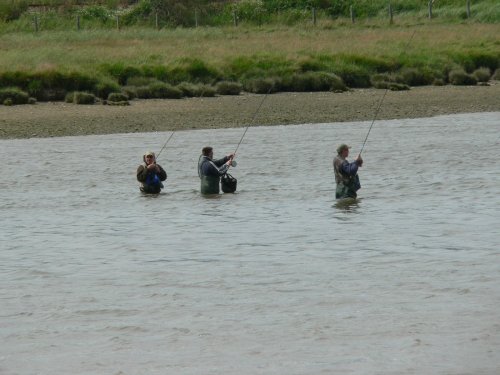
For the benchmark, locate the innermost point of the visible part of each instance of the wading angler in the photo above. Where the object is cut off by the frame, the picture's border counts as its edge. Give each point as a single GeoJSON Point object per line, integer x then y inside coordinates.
{"type": "Point", "coordinates": [150, 174]}
{"type": "Point", "coordinates": [346, 174]}
{"type": "Point", "coordinates": [210, 171]}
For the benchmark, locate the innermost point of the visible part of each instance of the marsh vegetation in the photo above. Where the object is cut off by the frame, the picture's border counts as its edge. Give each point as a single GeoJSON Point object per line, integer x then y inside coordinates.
{"type": "Point", "coordinates": [281, 51]}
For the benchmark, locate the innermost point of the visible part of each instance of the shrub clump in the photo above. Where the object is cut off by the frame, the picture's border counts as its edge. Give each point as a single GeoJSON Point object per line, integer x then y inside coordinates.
{"type": "Point", "coordinates": [80, 97]}
{"type": "Point", "coordinates": [13, 95]}
{"type": "Point", "coordinates": [163, 90]}
{"type": "Point", "coordinates": [130, 91]}
{"type": "Point", "coordinates": [460, 77]}
{"type": "Point", "coordinates": [229, 88]}
{"type": "Point", "coordinates": [191, 90]}
{"type": "Point", "coordinates": [312, 81]}
{"type": "Point", "coordinates": [382, 80]}
{"type": "Point", "coordinates": [482, 74]}
{"type": "Point", "coordinates": [105, 87]}
{"type": "Point", "coordinates": [415, 77]}
{"type": "Point", "coordinates": [207, 91]}
{"type": "Point", "coordinates": [262, 85]}
{"type": "Point", "coordinates": [117, 97]}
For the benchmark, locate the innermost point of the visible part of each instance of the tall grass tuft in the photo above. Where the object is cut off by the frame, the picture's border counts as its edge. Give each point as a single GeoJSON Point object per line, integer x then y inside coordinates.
{"type": "Point", "coordinates": [312, 81]}
{"type": "Point", "coordinates": [80, 97]}
{"type": "Point", "coordinates": [161, 90]}
{"type": "Point", "coordinates": [460, 77]}
{"type": "Point", "coordinates": [229, 88]}
{"type": "Point", "coordinates": [13, 95]}
{"type": "Point", "coordinates": [262, 85]}
{"type": "Point", "coordinates": [482, 74]}
{"type": "Point", "coordinates": [105, 87]}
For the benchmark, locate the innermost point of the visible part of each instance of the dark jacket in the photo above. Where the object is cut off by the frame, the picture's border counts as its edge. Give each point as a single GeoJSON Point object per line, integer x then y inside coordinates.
{"type": "Point", "coordinates": [210, 172]}
{"type": "Point", "coordinates": [151, 180]}
{"type": "Point", "coordinates": [346, 177]}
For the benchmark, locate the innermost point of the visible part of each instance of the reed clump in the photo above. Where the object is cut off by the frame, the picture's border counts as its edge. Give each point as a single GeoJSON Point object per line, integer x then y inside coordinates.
{"type": "Point", "coordinates": [460, 77]}
{"type": "Point", "coordinates": [228, 88]}
{"type": "Point", "coordinates": [80, 97]}
{"type": "Point", "coordinates": [482, 74]}
{"type": "Point", "coordinates": [13, 95]}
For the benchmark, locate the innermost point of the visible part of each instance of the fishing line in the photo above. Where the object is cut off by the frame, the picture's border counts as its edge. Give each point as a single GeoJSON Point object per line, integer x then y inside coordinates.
{"type": "Point", "coordinates": [383, 97]}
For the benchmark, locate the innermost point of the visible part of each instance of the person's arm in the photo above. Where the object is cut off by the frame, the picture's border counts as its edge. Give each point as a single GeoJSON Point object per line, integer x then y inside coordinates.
{"type": "Point", "coordinates": [221, 162]}
{"type": "Point", "coordinates": [161, 173]}
{"type": "Point", "coordinates": [142, 173]}
{"type": "Point", "coordinates": [216, 167]}
{"type": "Point", "coordinates": [350, 169]}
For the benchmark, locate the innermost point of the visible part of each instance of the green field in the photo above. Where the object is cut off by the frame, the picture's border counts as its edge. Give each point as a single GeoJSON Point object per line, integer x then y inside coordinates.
{"type": "Point", "coordinates": [334, 54]}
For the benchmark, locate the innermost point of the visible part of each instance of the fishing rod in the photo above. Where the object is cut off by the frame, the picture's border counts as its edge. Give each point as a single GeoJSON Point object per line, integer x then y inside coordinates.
{"type": "Point", "coordinates": [382, 100]}
{"type": "Point", "coordinates": [253, 118]}
{"type": "Point", "coordinates": [165, 144]}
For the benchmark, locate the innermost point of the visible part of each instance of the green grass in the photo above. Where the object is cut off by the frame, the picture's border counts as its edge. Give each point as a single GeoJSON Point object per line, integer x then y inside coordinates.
{"type": "Point", "coordinates": [50, 63]}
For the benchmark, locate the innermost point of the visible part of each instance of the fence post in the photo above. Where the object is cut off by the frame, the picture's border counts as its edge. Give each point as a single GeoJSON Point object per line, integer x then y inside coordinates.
{"type": "Point", "coordinates": [351, 10]}
{"type": "Point", "coordinates": [430, 9]}
{"type": "Point", "coordinates": [157, 23]}
{"type": "Point", "coordinates": [390, 13]}
{"type": "Point", "coordinates": [36, 23]}
{"type": "Point", "coordinates": [118, 22]}
{"type": "Point", "coordinates": [196, 17]}
{"type": "Point", "coordinates": [235, 19]}
{"type": "Point", "coordinates": [314, 16]}
{"type": "Point", "coordinates": [468, 8]}
{"type": "Point", "coordinates": [78, 22]}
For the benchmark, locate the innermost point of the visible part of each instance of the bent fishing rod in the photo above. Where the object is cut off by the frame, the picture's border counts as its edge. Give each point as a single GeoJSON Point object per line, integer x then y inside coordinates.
{"type": "Point", "coordinates": [382, 100]}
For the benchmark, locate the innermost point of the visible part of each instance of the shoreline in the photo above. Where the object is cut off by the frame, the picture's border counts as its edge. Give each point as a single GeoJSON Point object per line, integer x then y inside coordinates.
{"type": "Point", "coordinates": [55, 119]}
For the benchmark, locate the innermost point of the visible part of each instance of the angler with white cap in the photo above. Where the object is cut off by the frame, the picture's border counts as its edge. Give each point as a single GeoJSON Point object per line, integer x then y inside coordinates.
{"type": "Point", "coordinates": [150, 174]}
{"type": "Point", "coordinates": [346, 174]}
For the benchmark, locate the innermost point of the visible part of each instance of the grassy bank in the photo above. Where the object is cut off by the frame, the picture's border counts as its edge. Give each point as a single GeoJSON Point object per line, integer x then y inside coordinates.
{"type": "Point", "coordinates": [164, 63]}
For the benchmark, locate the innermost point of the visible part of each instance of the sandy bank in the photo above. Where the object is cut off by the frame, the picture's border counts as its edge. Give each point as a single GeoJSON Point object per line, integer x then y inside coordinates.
{"type": "Point", "coordinates": [60, 119]}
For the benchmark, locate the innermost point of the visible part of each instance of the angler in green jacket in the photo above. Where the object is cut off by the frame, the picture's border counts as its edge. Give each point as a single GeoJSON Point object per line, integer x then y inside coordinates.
{"type": "Point", "coordinates": [210, 171]}
{"type": "Point", "coordinates": [346, 174]}
{"type": "Point", "coordinates": [150, 174]}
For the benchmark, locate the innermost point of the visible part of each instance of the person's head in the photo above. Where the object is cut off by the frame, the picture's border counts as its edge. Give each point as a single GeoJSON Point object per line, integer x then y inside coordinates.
{"type": "Point", "coordinates": [207, 151]}
{"type": "Point", "coordinates": [149, 157]}
{"type": "Point", "coordinates": [343, 150]}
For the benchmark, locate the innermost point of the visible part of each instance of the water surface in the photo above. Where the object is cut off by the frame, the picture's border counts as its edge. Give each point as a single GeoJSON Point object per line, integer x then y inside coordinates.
{"type": "Point", "coordinates": [96, 278]}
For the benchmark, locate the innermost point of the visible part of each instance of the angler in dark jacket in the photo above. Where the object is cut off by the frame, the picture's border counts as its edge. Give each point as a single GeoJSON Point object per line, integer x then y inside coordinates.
{"type": "Point", "coordinates": [210, 171]}
{"type": "Point", "coordinates": [346, 174]}
{"type": "Point", "coordinates": [150, 174]}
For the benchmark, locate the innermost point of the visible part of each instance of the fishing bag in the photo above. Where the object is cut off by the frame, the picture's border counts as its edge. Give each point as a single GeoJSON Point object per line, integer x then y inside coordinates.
{"type": "Point", "coordinates": [228, 183]}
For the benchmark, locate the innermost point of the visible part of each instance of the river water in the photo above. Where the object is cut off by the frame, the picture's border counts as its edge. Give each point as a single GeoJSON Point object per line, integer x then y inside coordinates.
{"type": "Point", "coordinates": [96, 278]}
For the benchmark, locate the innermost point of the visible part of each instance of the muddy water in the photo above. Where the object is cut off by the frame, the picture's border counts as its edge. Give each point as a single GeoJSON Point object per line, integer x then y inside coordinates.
{"type": "Point", "coordinates": [277, 279]}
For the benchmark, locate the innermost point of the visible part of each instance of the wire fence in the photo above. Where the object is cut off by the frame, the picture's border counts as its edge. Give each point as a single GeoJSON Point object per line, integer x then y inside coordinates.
{"type": "Point", "coordinates": [196, 18]}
